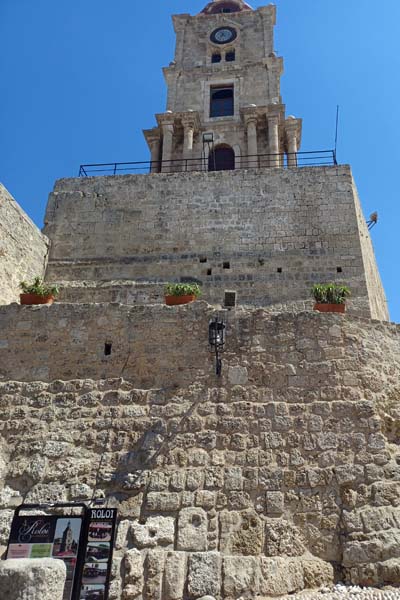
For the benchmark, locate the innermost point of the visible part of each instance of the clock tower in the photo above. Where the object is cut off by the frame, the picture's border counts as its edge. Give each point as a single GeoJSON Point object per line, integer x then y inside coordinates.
{"type": "Point", "coordinates": [224, 108]}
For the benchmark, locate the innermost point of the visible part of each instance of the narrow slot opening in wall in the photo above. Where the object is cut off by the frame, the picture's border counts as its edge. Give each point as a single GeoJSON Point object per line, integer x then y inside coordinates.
{"type": "Point", "coordinates": [209, 271]}
{"type": "Point", "coordinates": [202, 259]}
{"type": "Point", "coordinates": [338, 269]}
{"type": "Point", "coordinates": [279, 270]}
{"type": "Point", "coordinates": [107, 349]}
{"type": "Point", "coordinates": [229, 299]}
{"type": "Point", "coordinates": [226, 264]}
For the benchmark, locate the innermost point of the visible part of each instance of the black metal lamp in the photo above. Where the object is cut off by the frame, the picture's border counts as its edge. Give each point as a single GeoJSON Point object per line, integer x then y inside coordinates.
{"type": "Point", "coordinates": [216, 339]}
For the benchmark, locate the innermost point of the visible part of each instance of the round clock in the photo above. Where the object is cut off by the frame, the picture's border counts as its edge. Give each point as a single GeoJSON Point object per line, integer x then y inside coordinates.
{"type": "Point", "coordinates": [223, 35]}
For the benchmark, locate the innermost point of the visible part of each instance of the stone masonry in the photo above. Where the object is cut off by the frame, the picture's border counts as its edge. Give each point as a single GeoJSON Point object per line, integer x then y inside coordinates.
{"type": "Point", "coordinates": [249, 67]}
{"type": "Point", "coordinates": [268, 234]}
{"type": "Point", "coordinates": [23, 249]}
{"type": "Point", "coordinates": [281, 475]}
{"type": "Point", "coordinates": [274, 478]}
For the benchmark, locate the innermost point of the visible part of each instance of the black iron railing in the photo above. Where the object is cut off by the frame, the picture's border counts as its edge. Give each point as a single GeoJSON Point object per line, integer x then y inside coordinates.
{"type": "Point", "coordinates": [259, 161]}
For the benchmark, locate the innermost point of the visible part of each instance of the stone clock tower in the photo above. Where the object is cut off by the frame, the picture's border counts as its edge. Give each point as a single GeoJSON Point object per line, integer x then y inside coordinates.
{"type": "Point", "coordinates": [224, 104]}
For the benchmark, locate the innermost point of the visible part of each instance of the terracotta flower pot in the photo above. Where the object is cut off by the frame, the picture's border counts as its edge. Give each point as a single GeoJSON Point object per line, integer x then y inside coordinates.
{"type": "Point", "coordinates": [31, 299]}
{"type": "Point", "coordinates": [174, 300]}
{"type": "Point", "coordinates": [335, 308]}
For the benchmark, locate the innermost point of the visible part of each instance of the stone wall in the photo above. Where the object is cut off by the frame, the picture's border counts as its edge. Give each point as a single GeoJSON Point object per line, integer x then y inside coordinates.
{"type": "Point", "coordinates": [23, 249]}
{"type": "Point", "coordinates": [261, 482]}
{"type": "Point", "coordinates": [376, 293]}
{"type": "Point", "coordinates": [267, 234]}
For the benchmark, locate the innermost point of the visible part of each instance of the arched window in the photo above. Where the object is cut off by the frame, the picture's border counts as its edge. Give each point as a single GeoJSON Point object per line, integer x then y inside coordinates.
{"type": "Point", "coordinates": [222, 158]}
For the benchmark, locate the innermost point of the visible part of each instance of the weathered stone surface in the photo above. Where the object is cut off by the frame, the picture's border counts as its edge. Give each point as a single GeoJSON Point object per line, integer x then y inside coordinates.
{"type": "Point", "coordinates": [174, 575]}
{"type": "Point", "coordinates": [204, 576]}
{"type": "Point", "coordinates": [156, 531]}
{"type": "Point", "coordinates": [23, 250]}
{"type": "Point", "coordinates": [241, 533]}
{"type": "Point", "coordinates": [122, 534]}
{"type": "Point", "coordinates": [163, 244]}
{"type": "Point", "coordinates": [241, 576]}
{"type": "Point", "coordinates": [192, 529]}
{"type": "Point", "coordinates": [134, 580]}
{"type": "Point", "coordinates": [154, 569]}
{"type": "Point", "coordinates": [6, 516]}
{"type": "Point", "coordinates": [280, 576]}
{"type": "Point", "coordinates": [32, 579]}
{"type": "Point", "coordinates": [317, 573]}
{"type": "Point", "coordinates": [283, 539]}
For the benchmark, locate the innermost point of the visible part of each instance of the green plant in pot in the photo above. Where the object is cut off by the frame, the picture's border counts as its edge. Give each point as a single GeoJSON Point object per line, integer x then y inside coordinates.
{"type": "Point", "coordinates": [330, 297]}
{"type": "Point", "coordinates": [181, 293]}
{"type": "Point", "coordinates": [38, 292]}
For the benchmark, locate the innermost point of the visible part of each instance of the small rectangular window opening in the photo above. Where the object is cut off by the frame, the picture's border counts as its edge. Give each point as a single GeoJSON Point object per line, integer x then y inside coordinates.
{"type": "Point", "coordinates": [226, 265]}
{"type": "Point", "coordinates": [107, 349]}
{"type": "Point", "coordinates": [230, 299]}
{"type": "Point", "coordinates": [221, 101]}
{"type": "Point", "coordinates": [230, 56]}
{"type": "Point", "coordinates": [209, 271]}
{"type": "Point", "coordinates": [203, 259]}
{"type": "Point", "coordinates": [279, 270]}
{"type": "Point", "coordinates": [216, 58]}
{"type": "Point", "coordinates": [338, 269]}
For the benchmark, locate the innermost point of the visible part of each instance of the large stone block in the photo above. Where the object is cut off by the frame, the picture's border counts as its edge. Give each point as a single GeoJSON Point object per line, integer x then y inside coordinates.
{"type": "Point", "coordinates": [32, 579]}
{"type": "Point", "coordinates": [134, 577]}
{"type": "Point", "coordinates": [280, 576]}
{"type": "Point", "coordinates": [192, 529]}
{"type": "Point", "coordinates": [174, 575]}
{"type": "Point", "coordinates": [241, 576]}
{"type": "Point", "coordinates": [156, 531]}
{"type": "Point", "coordinates": [204, 576]}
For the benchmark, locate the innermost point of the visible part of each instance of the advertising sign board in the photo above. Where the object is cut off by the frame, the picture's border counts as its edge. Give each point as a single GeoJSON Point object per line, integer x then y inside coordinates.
{"type": "Point", "coordinates": [83, 541]}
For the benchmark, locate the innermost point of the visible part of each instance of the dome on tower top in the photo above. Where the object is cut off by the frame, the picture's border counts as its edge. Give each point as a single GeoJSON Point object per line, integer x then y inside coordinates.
{"type": "Point", "coordinates": [225, 6]}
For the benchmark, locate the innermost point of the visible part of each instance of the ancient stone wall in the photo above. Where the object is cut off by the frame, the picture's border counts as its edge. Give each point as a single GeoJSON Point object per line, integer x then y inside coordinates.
{"type": "Point", "coordinates": [23, 249]}
{"type": "Point", "coordinates": [376, 293]}
{"type": "Point", "coordinates": [267, 234]}
{"type": "Point", "coordinates": [261, 482]}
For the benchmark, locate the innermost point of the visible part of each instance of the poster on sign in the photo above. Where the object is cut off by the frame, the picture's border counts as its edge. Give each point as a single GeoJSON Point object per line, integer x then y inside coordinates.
{"type": "Point", "coordinates": [49, 536]}
{"type": "Point", "coordinates": [101, 523]}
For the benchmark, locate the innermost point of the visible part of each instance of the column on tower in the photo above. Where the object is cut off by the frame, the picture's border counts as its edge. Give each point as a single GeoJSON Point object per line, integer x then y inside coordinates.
{"type": "Point", "coordinates": [273, 140]}
{"type": "Point", "coordinates": [191, 124]}
{"type": "Point", "coordinates": [154, 142]}
{"type": "Point", "coordinates": [292, 135]}
{"type": "Point", "coordinates": [250, 120]}
{"type": "Point", "coordinates": [166, 123]}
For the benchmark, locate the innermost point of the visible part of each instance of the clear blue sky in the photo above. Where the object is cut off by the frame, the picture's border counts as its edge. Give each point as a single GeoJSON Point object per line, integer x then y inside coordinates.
{"type": "Point", "coordinates": [80, 79]}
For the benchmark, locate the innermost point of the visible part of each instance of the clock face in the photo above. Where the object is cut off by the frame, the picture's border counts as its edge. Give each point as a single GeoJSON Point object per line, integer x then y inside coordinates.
{"type": "Point", "coordinates": [223, 35]}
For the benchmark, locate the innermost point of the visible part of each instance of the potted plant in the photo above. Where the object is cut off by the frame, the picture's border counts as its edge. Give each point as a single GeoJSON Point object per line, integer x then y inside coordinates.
{"type": "Point", "coordinates": [330, 297]}
{"type": "Point", "coordinates": [181, 293]}
{"type": "Point", "coordinates": [37, 292]}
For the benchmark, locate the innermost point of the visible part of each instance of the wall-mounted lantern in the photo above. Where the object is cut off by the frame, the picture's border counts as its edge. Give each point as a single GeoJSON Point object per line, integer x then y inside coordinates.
{"type": "Point", "coordinates": [216, 340]}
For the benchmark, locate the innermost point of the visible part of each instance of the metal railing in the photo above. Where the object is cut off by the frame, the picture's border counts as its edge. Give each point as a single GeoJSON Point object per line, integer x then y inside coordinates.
{"type": "Point", "coordinates": [258, 161]}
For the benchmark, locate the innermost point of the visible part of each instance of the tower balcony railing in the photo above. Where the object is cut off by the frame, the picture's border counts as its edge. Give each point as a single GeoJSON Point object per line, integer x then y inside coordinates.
{"type": "Point", "coordinates": [319, 158]}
